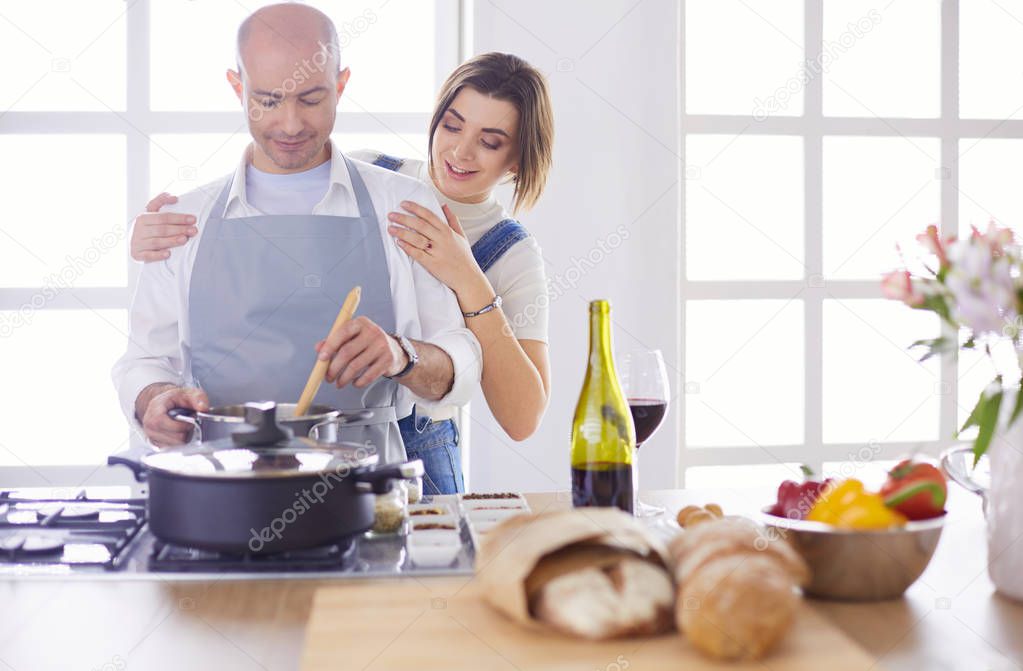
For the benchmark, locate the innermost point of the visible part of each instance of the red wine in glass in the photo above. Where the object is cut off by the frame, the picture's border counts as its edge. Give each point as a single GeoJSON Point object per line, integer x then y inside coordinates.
{"type": "Point", "coordinates": [647, 415]}
{"type": "Point", "coordinates": [644, 379]}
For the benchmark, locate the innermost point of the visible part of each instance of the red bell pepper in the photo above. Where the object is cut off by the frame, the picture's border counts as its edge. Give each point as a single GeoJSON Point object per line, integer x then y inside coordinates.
{"type": "Point", "coordinates": [916, 489]}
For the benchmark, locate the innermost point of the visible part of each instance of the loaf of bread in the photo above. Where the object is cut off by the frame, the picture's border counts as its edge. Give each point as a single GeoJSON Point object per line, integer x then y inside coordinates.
{"type": "Point", "coordinates": [737, 587]}
{"type": "Point", "coordinates": [630, 597]}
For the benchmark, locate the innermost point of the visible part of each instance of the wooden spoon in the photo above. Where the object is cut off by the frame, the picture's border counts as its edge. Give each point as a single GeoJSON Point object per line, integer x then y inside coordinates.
{"type": "Point", "coordinates": [320, 369]}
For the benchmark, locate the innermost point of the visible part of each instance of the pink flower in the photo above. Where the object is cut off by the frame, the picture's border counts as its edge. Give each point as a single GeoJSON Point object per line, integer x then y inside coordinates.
{"type": "Point", "coordinates": [898, 285]}
{"type": "Point", "coordinates": [997, 238]}
{"type": "Point", "coordinates": [934, 244]}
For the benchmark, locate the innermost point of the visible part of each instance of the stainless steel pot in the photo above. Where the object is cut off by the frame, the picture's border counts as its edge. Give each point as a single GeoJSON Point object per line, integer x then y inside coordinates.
{"type": "Point", "coordinates": [222, 421]}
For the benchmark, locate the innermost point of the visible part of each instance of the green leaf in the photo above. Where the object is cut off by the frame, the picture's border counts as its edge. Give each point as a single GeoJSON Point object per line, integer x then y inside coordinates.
{"type": "Point", "coordinates": [1018, 407]}
{"type": "Point", "coordinates": [934, 346]}
{"type": "Point", "coordinates": [937, 304]}
{"type": "Point", "coordinates": [807, 471]}
{"type": "Point", "coordinates": [970, 343]}
{"type": "Point", "coordinates": [988, 422]}
{"type": "Point", "coordinates": [974, 418]}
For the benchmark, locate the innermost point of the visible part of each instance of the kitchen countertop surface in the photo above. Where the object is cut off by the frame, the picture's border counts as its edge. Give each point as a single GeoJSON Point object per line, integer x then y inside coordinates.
{"type": "Point", "coordinates": [949, 619]}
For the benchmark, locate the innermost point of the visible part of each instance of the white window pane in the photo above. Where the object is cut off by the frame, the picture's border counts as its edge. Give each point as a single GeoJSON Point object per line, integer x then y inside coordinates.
{"type": "Point", "coordinates": [861, 466]}
{"type": "Point", "coordinates": [63, 55]}
{"type": "Point", "coordinates": [71, 420]}
{"type": "Point", "coordinates": [977, 371]}
{"type": "Point", "coordinates": [182, 162]}
{"type": "Point", "coordinates": [883, 58]}
{"type": "Point", "coordinates": [748, 476]}
{"type": "Point", "coordinates": [726, 405]}
{"type": "Point", "coordinates": [192, 45]}
{"type": "Point", "coordinates": [990, 174]}
{"type": "Point", "coordinates": [65, 222]}
{"type": "Point", "coordinates": [744, 57]}
{"type": "Point", "coordinates": [991, 59]}
{"type": "Point", "coordinates": [877, 192]}
{"type": "Point", "coordinates": [744, 207]}
{"type": "Point", "coordinates": [375, 43]}
{"type": "Point", "coordinates": [874, 388]}
{"type": "Point", "coordinates": [392, 58]}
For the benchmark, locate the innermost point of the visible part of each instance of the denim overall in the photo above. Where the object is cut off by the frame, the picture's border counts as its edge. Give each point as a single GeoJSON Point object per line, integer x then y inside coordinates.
{"type": "Point", "coordinates": [436, 443]}
{"type": "Point", "coordinates": [264, 289]}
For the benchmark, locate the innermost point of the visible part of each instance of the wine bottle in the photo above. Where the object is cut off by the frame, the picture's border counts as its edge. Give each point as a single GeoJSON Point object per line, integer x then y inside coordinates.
{"type": "Point", "coordinates": [603, 437]}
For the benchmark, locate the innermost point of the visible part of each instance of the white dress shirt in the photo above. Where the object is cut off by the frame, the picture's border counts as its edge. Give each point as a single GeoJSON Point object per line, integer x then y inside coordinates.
{"type": "Point", "coordinates": [425, 309]}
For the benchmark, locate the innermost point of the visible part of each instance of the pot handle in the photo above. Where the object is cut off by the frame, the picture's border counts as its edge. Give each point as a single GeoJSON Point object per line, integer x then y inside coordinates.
{"type": "Point", "coordinates": [381, 479]}
{"type": "Point", "coordinates": [133, 460]}
{"type": "Point", "coordinates": [954, 464]}
{"type": "Point", "coordinates": [188, 416]}
{"type": "Point", "coordinates": [344, 418]}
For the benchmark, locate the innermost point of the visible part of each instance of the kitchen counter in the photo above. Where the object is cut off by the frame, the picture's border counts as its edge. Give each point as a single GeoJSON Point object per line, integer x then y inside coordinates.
{"type": "Point", "coordinates": [950, 619]}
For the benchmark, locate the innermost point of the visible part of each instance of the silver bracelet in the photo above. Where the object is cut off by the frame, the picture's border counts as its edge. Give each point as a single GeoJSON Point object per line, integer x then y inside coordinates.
{"type": "Point", "coordinates": [492, 306]}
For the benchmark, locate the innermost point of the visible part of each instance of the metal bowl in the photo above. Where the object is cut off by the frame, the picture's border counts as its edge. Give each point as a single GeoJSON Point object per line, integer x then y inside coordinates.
{"type": "Point", "coordinates": [857, 564]}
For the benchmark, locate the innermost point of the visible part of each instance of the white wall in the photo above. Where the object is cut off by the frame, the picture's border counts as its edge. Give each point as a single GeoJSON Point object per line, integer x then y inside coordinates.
{"type": "Point", "coordinates": [612, 66]}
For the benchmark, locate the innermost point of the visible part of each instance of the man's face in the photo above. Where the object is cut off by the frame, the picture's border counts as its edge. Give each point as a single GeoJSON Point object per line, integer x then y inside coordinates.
{"type": "Point", "coordinates": [291, 98]}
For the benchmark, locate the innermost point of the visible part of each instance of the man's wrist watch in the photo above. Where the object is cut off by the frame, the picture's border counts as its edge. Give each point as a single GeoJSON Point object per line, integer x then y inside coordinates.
{"type": "Point", "coordinates": [496, 303]}
{"type": "Point", "coordinates": [410, 352]}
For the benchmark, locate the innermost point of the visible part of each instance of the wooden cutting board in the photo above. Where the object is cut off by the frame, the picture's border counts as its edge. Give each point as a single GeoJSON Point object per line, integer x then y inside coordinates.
{"type": "Point", "coordinates": [441, 623]}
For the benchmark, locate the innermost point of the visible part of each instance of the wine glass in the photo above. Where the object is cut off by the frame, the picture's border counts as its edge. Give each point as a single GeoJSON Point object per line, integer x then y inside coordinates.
{"type": "Point", "coordinates": [644, 382]}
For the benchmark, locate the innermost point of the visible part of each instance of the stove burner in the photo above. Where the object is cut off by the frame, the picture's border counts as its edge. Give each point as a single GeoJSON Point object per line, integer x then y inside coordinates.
{"type": "Point", "coordinates": [168, 557]}
{"type": "Point", "coordinates": [52, 513]}
{"type": "Point", "coordinates": [41, 531]}
{"type": "Point", "coordinates": [31, 545]}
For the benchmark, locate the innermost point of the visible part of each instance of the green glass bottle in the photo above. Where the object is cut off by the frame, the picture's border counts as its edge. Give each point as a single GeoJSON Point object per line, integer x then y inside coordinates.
{"type": "Point", "coordinates": [603, 438]}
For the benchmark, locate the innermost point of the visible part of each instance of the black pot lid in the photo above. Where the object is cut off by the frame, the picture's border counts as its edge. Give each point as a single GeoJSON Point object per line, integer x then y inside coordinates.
{"type": "Point", "coordinates": [295, 458]}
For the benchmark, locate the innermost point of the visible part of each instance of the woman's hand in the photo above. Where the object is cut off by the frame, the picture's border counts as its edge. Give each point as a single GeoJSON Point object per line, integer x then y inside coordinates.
{"type": "Point", "coordinates": [155, 233]}
{"type": "Point", "coordinates": [440, 247]}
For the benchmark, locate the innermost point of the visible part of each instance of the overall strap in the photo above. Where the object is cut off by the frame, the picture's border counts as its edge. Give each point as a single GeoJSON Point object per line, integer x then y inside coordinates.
{"type": "Point", "coordinates": [392, 163]}
{"type": "Point", "coordinates": [498, 240]}
{"type": "Point", "coordinates": [366, 210]}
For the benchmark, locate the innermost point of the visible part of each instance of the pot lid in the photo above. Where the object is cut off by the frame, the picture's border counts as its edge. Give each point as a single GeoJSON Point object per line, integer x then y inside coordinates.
{"type": "Point", "coordinates": [285, 413]}
{"type": "Point", "coordinates": [268, 451]}
{"type": "Point", "coordinates": [224, 459]}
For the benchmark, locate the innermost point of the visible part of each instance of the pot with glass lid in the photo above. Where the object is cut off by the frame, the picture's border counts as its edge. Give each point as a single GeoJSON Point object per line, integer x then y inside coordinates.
{"type": "Point", "coordinates": [262, 491]}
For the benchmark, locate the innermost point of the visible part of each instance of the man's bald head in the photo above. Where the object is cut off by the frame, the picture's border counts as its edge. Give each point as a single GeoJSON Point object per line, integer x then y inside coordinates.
{"type": "Point", "coordinates": [290, 27]}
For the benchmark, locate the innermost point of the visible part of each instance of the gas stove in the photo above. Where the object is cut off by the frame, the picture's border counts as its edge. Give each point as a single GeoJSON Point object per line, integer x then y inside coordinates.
{"type": "Point", "coordinates": [101, 533]}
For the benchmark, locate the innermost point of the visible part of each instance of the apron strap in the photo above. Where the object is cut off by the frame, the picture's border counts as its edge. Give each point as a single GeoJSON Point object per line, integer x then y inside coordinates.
{"type": "Point", "coordinates": [220, 207]}
{"type": "Point", "coordinates": [366, 210]}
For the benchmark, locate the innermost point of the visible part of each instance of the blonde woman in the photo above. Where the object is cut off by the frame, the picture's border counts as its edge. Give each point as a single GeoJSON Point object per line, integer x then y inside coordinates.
{"type": "Point", "coordinates": [493, 122]}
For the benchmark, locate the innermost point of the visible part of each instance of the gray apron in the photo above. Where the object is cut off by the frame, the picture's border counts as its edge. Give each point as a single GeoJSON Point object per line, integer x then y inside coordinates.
{"type": "Point", "coordinates": [265, 289]}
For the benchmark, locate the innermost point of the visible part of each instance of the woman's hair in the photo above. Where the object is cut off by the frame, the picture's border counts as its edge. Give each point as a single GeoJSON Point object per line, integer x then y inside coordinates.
{"type": "Point", "coordinates": [509, 78]}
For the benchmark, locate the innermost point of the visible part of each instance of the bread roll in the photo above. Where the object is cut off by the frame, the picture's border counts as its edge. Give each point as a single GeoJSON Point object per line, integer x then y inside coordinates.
{"type": "Point", "coordinates": [732, 535]}
{"type": "Point", "coordinates": [737, 607]}
{"type": "Point", "coordinates": [736, 587]}
{"type": "Point", "coordinates": [631, 596]}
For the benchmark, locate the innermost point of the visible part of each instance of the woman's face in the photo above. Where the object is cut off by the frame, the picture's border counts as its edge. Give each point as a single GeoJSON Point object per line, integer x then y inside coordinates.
{"type": "Point", "coordinates": [475, 146]}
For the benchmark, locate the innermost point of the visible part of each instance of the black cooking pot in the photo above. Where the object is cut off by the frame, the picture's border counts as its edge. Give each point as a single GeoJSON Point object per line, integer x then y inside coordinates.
{"type": "Point", "coordinates": [262, 491]}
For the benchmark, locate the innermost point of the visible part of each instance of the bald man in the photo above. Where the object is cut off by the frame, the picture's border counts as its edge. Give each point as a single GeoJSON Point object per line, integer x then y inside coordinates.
{"type": "Point", "coordinates": [234, 315]}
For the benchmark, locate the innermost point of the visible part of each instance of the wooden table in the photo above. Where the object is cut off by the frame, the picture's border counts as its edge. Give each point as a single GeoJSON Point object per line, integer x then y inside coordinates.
{"type": "Point", "coordinates": [949, 619]}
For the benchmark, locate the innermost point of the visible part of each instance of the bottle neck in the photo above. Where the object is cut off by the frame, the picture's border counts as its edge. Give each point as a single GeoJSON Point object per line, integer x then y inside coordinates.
{"type": "Point", "coordinates": [600, 338]}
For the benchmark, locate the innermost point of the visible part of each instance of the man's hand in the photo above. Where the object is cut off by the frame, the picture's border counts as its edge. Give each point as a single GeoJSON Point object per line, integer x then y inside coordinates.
{"type": "Point", "coordinates": [360, 352]}
{"type": "Point", "coordinates": [155, 233]}
{"type": "Point", "coordinates": [152, 405]}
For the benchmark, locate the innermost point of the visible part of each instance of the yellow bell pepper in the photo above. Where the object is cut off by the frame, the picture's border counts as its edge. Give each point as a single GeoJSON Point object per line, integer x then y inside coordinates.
{"type": "Point", "coordinates": [849, 506]}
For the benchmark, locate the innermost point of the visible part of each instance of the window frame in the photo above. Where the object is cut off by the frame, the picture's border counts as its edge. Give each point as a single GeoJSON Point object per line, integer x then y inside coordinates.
{"type": "Point", "coordinates": [812, 127]}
